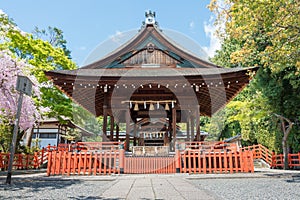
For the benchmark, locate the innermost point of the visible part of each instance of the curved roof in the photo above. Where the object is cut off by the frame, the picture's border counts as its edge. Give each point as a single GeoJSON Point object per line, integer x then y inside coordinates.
{"type": "Point", "coordinates": [150, 35]}
{"type": "Point", "coordinates": [121, 39]}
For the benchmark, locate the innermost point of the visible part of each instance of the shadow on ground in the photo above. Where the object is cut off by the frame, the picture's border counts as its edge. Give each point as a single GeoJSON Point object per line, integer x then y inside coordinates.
{"type": "Point", "coordinates": [34, 185]}
{"type": "Point", "coordinates": [290, 177]}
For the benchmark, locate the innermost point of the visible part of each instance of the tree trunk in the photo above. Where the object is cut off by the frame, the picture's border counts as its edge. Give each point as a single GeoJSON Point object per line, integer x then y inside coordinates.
{"type": "Point", "coordinates": [285, 154]}
{"type": "Point", "coordinates": [286, 131]}
{"type": "Point", "coordinates": [29, 134]}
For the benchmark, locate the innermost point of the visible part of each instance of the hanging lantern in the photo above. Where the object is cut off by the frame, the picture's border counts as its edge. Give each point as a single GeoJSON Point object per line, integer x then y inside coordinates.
{"type": "Point", "coordinates": [157, 105]}
{"type": "Point", "coordinates": [145, 106]}
{"type": "Point", "coordinates": [130, 104]}
{"type": "Point", "coordinates": [172, 104]}
{"type": "Point", "coordinates": [151, 106]}
{"type": "Point", "coordinates": [136, 107]}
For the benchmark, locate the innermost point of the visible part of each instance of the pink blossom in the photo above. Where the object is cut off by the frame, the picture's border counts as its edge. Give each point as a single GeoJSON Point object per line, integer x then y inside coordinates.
{"type": "Point", "coordinates": [9, 69]}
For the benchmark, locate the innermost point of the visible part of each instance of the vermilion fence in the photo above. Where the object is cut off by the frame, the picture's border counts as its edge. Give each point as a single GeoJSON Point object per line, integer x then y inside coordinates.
{"type": "Point", "coordinates": [21, 161]}
{"type": "Point", "coordinates": [278, 160]}
{"type": "Point", "coordinates": [83, 163]}
{"type": "Point", "coordinates": [274, 160]}
{"type": "Point", "coordinates": [24, 161]}
{"type": "Point", "coordinates": [85, 158]}
{"type": "Point", "coordinates": [197, 161]}
{"type": "Point", "coordinates": [260, 152]}
{"type": "Point", "coordinates": [149, 165]}
{"type": "Point", "coordinates": [208, 146]}
{"type": "Point", "coordinates": [108, 158]}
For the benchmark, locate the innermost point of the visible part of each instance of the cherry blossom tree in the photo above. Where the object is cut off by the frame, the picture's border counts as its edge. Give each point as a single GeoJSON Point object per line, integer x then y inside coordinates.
{"type": "Point", "coordinates": [10, 68]}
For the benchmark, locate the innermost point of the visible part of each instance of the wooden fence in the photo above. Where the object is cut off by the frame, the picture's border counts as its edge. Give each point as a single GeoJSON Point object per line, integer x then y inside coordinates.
{"type": "Point", "coordinates": [197, 161]}
{"type": "Point", "coordinates": [83, 163]}
{"type": "Point", "coordinates": [293, 160]}
{"type": "Point", "coordinates": [109, 158]}
{"type": "Point", "coordinates": [208, 146]}
{"type": "Point", "coordinates": [24, 161]}
{"type": "Point", "coordinates": [149, 165]}
{"type": "Point", "coordinates": [21, 161]}
{"type": "Point", "coordinates": [260, 152]}
{"type": "Point", "coordinates": [274, 160]}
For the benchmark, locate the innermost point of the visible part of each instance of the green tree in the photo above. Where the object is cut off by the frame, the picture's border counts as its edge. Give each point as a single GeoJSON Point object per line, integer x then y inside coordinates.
{"type": "Point", "coordinates": [43, 56]}
{"type": "Point", "coordinates": [54, 36]}
{"type": "Point", "coordinates": [263, 33]}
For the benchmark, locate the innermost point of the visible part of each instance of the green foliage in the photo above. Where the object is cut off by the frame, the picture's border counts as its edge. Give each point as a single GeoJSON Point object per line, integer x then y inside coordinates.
{"type": "Point", "coordinates": [86, 120]}
{"type": "Point", "coordinates": [54, 36]}
{"type": "Point", "coordinates": [6, 130]}
{"type": "Point", "coordinates": [45, 50]}
{"type": "Point", "coordinates": [44, 56]}
{"type": "Point", "coordinates": [267, 34]}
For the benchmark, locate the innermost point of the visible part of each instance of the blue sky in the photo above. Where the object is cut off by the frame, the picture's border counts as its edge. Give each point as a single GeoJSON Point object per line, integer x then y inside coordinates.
{"type": "Point", "coordinates": [87, 23]}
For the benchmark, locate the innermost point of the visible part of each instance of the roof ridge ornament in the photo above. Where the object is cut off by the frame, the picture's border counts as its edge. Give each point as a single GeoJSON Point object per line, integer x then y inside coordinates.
{"type": "Point", "coordinates": [150, 18]}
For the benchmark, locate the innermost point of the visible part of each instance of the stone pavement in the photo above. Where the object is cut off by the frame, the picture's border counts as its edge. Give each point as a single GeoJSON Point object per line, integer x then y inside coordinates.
{"type": "Point", "coordinates": [125, 186]}
{"type": "Point", "coordinates": [154, 187]}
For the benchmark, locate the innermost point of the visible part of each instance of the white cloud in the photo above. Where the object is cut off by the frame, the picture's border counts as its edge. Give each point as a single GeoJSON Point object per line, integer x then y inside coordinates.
{"type": "Point", "coordinates": [117, 37]}
{"type": "Point", "coordinates": [2, 12]}
{"type": "Point", "coordinates": [214, 41]}
{"type": "Point", "coordinates": [192, 25]}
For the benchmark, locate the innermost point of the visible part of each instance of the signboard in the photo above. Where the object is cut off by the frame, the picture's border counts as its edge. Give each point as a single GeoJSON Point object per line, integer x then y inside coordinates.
{"type": "Point", "coordinates": [24, 85]}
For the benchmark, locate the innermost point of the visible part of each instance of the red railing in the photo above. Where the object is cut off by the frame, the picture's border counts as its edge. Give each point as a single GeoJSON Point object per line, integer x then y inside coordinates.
{"type": "Point", "coordinates": [274, 160]}
{"type": "Point", "coordinates": [278, 160]}
{"type": "Point", "coordinates": [260, 152]}
{"type": "Point", "coordinates": [86, 146]}
{"type": "Point", "coordinates": [197, 161]}
{"type": "Point", "coordinates": [91, 146]}
{"type": "Point", "coordinates": [21, 161]}
{"type": "Point", "coordinates": [108, 157]}
{"type": "Point", "coordinates": [149, 165]}
{"type": "Point", "coordinates": [208, 146]}
{"type": "Point", "coordinates": [83, 163]}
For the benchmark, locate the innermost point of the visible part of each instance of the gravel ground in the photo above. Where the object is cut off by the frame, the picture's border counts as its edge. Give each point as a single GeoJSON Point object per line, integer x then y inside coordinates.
{"type": "Point", "coordinates": [282, 187]}
{"type": "Point", "coordinates": [224, 186]}
{"type": "Point", "coordinates": [53, 189]}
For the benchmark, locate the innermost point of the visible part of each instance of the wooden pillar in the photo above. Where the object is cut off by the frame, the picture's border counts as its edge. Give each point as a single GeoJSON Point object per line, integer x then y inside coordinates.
{"type": "Point", "coordinates": [197, 126]}
{"type": "Point", "coordinates": [104, 124]}
{"type": "Point", "coordinates": [117, 132]}
{"type": "Point", "coordinates": [166, 138]}
{"type": "Point", "coordinates": [122, 159]}
{"type": "Point", "coordinates": [127, 116]}
{"type": "Point", "coordinates": [188, 136]}
{"type": "Point", "coordinates": [192, 128]}
{"type": "Point", "coordinates": [134, 134]}
{"type": "Point", "coordinates": [112, 125]}
{"type": "Point", "coordinates": [174, 127]}
{"type": "Point", "coordinates": [168, 131]}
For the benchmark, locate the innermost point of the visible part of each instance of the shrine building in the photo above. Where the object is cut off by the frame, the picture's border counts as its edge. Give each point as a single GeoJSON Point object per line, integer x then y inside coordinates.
{"type": "Point", "coordinates": [151, 83]}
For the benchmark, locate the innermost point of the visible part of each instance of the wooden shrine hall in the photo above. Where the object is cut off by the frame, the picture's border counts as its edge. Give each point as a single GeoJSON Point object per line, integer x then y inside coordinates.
{"type": "Point", "coordinates": [151, 83]}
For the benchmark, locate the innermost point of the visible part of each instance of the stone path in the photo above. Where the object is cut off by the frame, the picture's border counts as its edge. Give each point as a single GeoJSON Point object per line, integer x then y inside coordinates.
{"type": "Point", "coordinates": [154, 187]}
{"type": "Point", "coordinates": [263, 184]}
